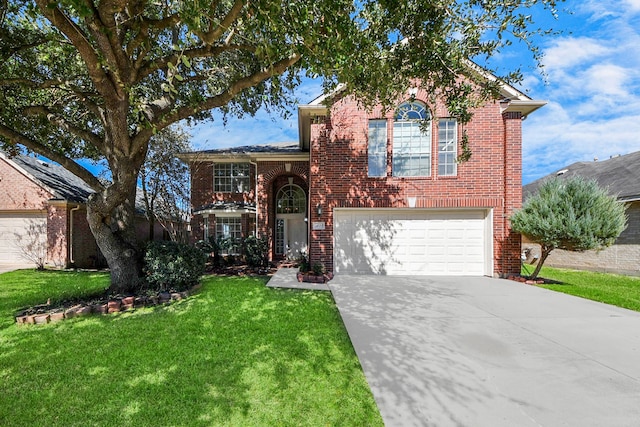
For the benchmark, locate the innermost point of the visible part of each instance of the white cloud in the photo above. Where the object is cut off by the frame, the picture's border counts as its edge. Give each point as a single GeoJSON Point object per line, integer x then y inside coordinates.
{"type": "Point", "coordinates": [566, 53]}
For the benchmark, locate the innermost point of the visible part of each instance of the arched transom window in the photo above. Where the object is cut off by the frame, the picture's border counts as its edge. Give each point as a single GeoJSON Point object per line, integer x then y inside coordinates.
{"type": "Point", "coordinates": [291, 200]}
{"type": "Point", "coordinates": [412, 140]}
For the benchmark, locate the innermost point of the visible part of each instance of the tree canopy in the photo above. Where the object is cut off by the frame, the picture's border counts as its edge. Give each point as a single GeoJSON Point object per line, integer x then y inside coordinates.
{"type": "Point", "coordinates": [98, 78]}
{"type": "Point", "coordinates": [573, 214]}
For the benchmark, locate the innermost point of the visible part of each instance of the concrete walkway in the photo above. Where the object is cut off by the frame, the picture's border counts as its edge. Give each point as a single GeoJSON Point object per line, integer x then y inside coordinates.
{"type": "Point", "coordinates": [489, 352]}
{"type": "Point", "coordinates": [286, 278]}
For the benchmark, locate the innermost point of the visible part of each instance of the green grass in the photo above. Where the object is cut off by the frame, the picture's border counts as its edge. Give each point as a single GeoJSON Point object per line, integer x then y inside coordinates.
{"type": "Point", "coordinates": [622, 291]}
{"type": "Point", "coordinates": [235, 354]}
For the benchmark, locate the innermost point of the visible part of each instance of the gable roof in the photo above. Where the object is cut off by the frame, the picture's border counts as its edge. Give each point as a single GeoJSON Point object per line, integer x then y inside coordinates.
{"type": "Point", "coordinates": [58, 181]}
{"type": "Point", "coordinates": [512, 100]}
{"type": "Point", "coordinates": [620, 175]}
{"type": "Point", "coordinates": [52, 177]}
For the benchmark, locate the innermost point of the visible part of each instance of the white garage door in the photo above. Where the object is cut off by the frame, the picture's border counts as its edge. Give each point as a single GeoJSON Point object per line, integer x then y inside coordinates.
{"type": "Point", "coordinates": [22, 236]}
{"type": "Point", "coordinates": [413, 242]}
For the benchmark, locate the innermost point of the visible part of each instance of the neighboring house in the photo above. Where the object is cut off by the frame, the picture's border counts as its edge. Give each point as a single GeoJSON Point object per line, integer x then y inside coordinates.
{"type": "Point", "coordinates": [371, 193]}
{"type": "Point", "coordinates": [620, 175]}
{"type": "Point", "coordinates": [43, 216]}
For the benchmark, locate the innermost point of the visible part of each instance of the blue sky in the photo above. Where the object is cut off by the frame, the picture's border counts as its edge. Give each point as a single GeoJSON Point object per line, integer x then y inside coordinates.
{"type": "Point", "coordinates": [592, 86]}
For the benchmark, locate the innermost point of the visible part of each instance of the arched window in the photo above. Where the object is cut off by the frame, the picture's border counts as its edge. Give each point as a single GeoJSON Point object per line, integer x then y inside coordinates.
{"type": "Point", "coordinates": [412, 140]}
{"type": "Point", "coordinates": [291, 200]}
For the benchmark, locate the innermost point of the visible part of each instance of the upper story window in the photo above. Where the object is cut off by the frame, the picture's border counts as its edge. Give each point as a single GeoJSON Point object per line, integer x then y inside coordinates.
{"type": "Point", "coordinates": [412, 140]}
{"type": "Point", "coordinates": [231, 177]}
{"type": "Point", "coordinates": [377, 148]}
{"type": "Point", "coordinates": [447, 147]}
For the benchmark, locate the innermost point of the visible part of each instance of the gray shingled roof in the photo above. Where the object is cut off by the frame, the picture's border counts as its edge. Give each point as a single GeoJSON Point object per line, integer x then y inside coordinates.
{"type": "Point", "coordinates": [620, 175]}
{"type": "Point", "coordinates": [278, 147]}
{"type": "Point", "coordinates": [64, 184]}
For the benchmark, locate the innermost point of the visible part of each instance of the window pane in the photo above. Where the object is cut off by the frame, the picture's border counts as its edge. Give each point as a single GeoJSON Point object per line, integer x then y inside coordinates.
{"type": "Point", "coordinates": [229, 228]}
{"type": "Point", "coordinates": [231, 177]}
{"type": "Point", "coordinates": [411, 144]}
{"type": "Point", "coordinates": [377, 148]}
{"type": "Point", "coordinates": [447, 147]}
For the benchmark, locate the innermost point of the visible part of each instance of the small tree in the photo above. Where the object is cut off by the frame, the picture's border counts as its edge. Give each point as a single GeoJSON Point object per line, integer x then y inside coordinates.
{"type": "Point", "coordinates": [572, 214]}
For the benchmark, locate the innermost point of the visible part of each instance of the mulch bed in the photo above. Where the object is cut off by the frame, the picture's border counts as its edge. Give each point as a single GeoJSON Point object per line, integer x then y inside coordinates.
{"type": "Point", "coordinates": [106, 304]}
{"type": "Point", "coordinates": [529, 281]}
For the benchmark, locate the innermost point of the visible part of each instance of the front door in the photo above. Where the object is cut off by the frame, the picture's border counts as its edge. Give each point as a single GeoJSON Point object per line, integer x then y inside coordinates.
{"type": "Point", "coordinates": [291, 225]}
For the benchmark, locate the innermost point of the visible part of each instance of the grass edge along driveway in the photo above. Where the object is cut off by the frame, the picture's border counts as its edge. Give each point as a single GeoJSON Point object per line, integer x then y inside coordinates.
{"type": "Point", "coordinates": [235, 354]}
{"type": "Point", "coordinates": [614, 289]}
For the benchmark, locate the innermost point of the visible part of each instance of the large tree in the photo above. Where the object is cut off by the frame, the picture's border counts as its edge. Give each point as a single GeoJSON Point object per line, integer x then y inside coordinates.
{"type": "Point", "coordinates": [574, 214]}
{"type": "Point", "coordinates": [98, 78]}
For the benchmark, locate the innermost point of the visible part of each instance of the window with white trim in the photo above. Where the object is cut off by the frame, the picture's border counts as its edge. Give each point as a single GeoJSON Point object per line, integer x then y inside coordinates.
{"type": "Point", "coordinates": [229, 228]}
{"type": "Point", "coordinates": [377, 148]}
{"type": "Point", "coordinates": [412, 140]}
{"type": "Point", "coordinates": [447, 147]}
{"type": "Point", "coordinates": [231, 177]}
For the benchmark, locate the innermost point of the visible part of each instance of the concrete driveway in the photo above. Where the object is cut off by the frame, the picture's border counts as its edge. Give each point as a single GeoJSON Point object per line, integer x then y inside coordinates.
{"type": "Point", "coordinates": [445, 351]}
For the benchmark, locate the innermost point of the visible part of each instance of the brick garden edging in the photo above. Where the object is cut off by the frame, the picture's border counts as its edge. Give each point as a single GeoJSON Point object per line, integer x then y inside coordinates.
{"type": "Point", "coordinates": [113, 305]}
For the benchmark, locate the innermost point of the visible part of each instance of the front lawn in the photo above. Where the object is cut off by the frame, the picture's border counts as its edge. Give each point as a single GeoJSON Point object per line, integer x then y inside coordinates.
{"type": "Point", "coordinates": [623, 291]}
{"type": "Point", "coordinates": [235, 354]}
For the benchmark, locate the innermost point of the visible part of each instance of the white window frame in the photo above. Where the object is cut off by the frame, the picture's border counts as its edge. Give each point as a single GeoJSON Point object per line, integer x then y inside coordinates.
{"type": "Point", "coordinates": [377, 148]}
{"type": "Point", "coordinates": [231, 177]}
{"type": "Point", "coordinates": [447, 147]}
{"type": "Point", "coordinates": [412, 141]}
{"type": "Point", "coordinates": [229, 226]}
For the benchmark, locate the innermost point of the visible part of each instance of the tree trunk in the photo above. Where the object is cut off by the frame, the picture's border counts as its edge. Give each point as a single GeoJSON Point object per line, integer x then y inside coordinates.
{"type": "Point", "coordinates": [115, 234]}
{"type": "Point", "coordinates": [543, 256]}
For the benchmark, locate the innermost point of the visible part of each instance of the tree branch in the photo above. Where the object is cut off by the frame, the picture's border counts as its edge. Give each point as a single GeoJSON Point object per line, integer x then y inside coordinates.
{"type": "Point", "coordinates": [199, 52]}
{"type": "Point", "coordinates": [218, 100]}
{"type": "Point", "coordinates": [79, 40]}
{"type": "Point", "coordinates": [73, 167]}
{"type": "Point", "coordinates": [214, 33]}
{"type": "Point", "coordinates": [54, 118]}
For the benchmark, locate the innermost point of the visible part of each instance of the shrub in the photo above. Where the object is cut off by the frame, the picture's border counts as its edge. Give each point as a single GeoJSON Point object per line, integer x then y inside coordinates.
{"type": "Point", "coordinates": [256, 251]}
{"type": "Point", "coordinates": [173, 266]}
{"type": "Point", "coordinates": [574, 214]}
{"type": "Point", "coordinates": [303, 263]}
{"type": "Point", "coordinates": [318, 269]}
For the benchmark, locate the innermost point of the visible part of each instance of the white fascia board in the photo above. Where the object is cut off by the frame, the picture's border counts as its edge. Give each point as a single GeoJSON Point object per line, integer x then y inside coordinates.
{"type": "Point", "coordinates": [524, 107]}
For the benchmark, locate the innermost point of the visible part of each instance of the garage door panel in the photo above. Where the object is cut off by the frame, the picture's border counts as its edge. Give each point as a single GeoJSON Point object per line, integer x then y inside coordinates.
{"type": "Point", "coordinates": [410, 242]}
{"type": "Point", "coordinates": [22, 237]}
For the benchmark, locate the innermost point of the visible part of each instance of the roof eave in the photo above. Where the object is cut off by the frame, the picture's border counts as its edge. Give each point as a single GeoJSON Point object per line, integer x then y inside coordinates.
{"type": "Point", "coordinates": [524, 107]}
{"type": "Point", "coordinates": [243, 157]}
{"type": "Point", "coordinates": [305, 114]}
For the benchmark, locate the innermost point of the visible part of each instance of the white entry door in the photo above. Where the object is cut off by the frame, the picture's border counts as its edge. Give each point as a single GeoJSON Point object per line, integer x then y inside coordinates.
{"type": "Point", "coordinates": [291, 235]}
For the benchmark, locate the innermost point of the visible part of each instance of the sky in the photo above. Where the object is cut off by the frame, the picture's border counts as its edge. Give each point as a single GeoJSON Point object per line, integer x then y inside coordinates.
{"type": "Point", "coordinates": [591, 81]}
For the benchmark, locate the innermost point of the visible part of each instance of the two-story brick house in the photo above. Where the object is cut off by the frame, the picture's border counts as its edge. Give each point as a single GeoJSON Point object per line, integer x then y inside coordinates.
{"type": "Point", "coordinates": [372, 192]}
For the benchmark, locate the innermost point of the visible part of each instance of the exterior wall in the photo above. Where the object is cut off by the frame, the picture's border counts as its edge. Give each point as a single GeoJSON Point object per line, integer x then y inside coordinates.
{"type": "Point", "coordinates": [271, 176]}
{"type": "Point", "coordinates": [19, 193]}
{"type": "Point", "coordinates": [623, 257]}
{"type": "Point", "coordinates": [203, 194]}
{"type": "Point", "coordinates": [57, 235]}
{"type": "Point", "coordinates": [490, 179]}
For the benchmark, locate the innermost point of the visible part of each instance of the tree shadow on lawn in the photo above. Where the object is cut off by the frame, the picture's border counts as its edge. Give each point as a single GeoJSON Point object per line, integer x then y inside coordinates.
{"type": "Point", "coordinates": [235, 354]}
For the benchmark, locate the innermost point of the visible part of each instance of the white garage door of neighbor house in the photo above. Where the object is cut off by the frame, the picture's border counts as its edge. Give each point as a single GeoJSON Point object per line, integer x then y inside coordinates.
{"type": "Point", "coordinates": [412, 242]}
{"type": "Point", "coordinates": [22, 235]}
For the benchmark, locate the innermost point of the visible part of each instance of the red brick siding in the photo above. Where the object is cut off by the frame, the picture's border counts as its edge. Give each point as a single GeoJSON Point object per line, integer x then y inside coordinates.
{"type": "Point", "coordinates": [17, 192]}
{"type": "Point", "coordinates": [490, 179]}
